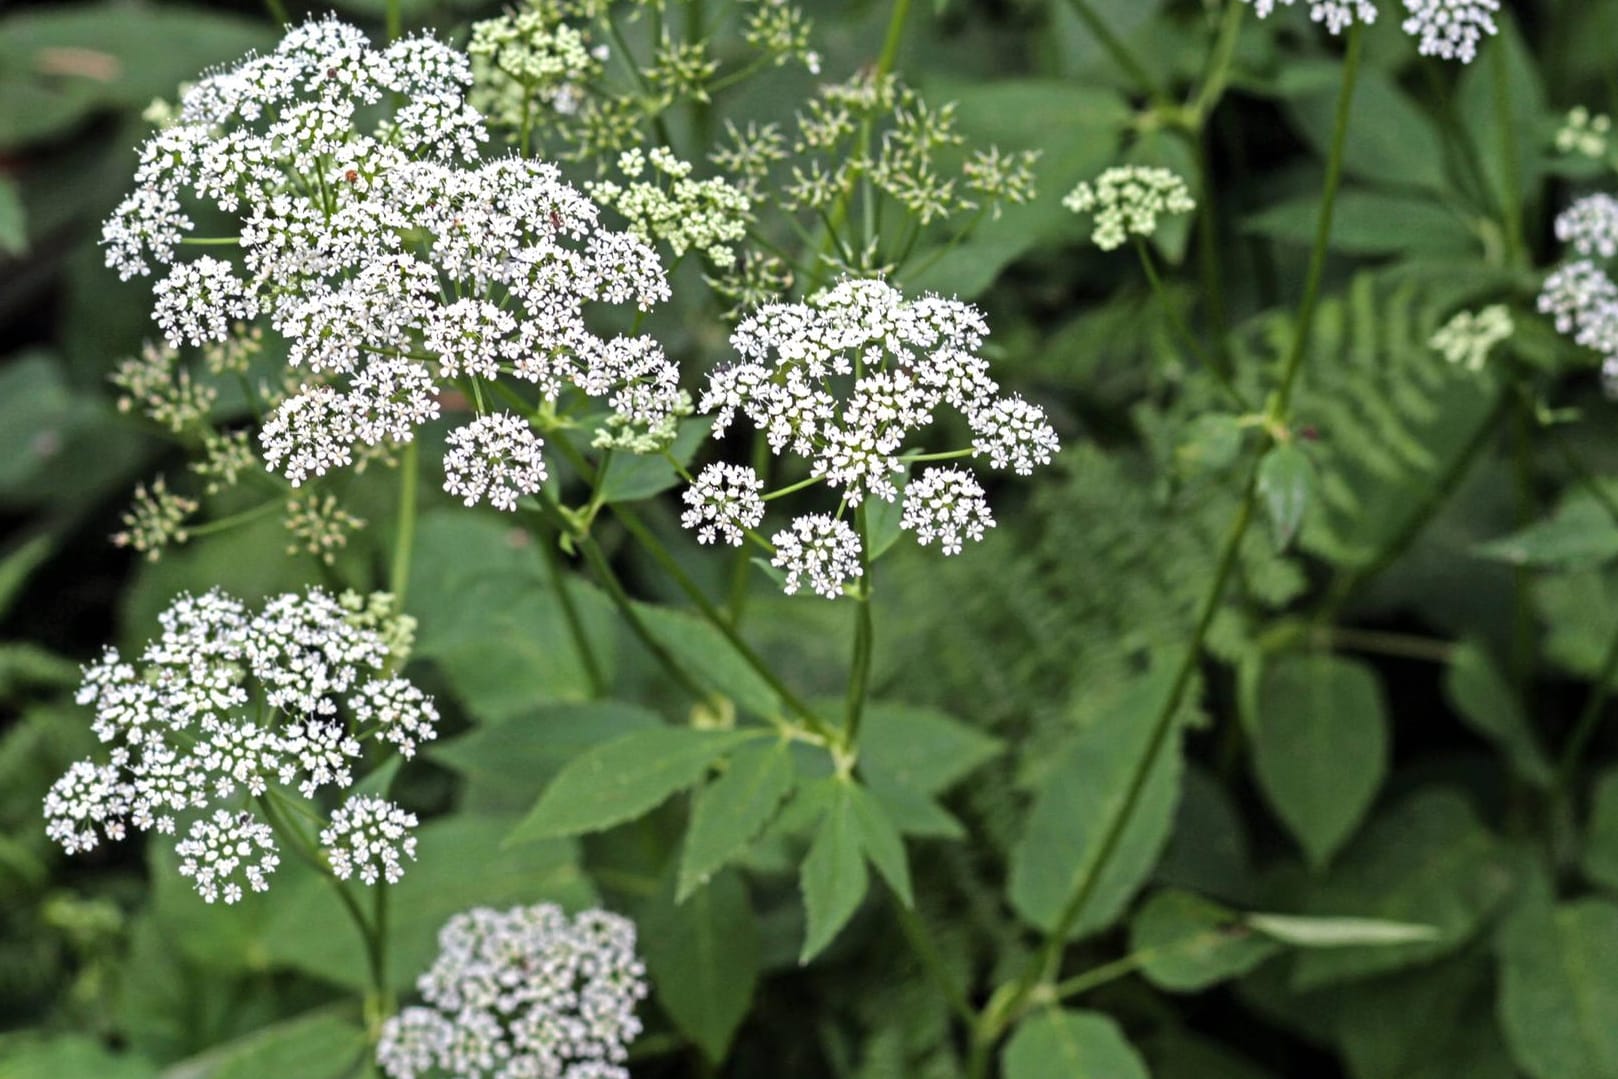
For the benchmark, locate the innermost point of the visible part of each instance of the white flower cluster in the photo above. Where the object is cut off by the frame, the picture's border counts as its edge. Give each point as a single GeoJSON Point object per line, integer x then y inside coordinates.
{"type": "Point", "coordinates": [1468, 338]}
{"type": "Point", "coordinates": [1127, 200]}
{"type": "Point", "coordinates": [1581, 296]}
{"type": "Point", "coordinates": [845, 381]}
{"type": "Point", "coordinates": [225, 704]}
{"type": "Point", "coordinates": [366, 836]}
{"type": "Point", "coordinates": [390, 258]}
{"type": "Point", "coordinates": [1450, 29]}
{"type": "Point", "coordinates": [497, 458]}
{"type": "Point", "coordinates": [946, 504]}
{"type": "Point", "coordinates": [522, 994]}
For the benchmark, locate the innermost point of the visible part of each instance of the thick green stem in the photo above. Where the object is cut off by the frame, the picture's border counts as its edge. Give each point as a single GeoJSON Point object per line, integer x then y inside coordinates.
{"type": "Point", "coordinates": [1218, 74]}
{"type": "Point", "coordinates": [278, 11]}
{"type": "Point", "coordinates": [859, 672]}
{"type": "Point", "coordinates": [395, 19]}
{"type": "Point", "coordinates": [1505, 128]}
{"type": "Point", "coordinates": [404, 528]}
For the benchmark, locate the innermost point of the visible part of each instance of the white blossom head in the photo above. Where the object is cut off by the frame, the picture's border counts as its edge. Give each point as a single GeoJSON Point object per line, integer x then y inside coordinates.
{"type": "Point", "coordinates": [496, 458]}
{"type": "Point", "coordinates": [1581, 296]}
{"type": "Point", "coordinates": [1451, 29]}
{"type": "Point", "coordinates": [1336, 15]}
{"type": "Point", "coordinates": [820, 550]}
{"type": "Point", "coordinates": [523, 992]}
{"type": "Point", "coordinates": [367, 837]}
{"type": "Point", "coordinates": [947, 505]}
{"type": "Point", "coordinates": [230, 704]}
{"type": "Point", "coordinates": [1128, 201]}
{"type": "Point", "coordinates": [724, 502]}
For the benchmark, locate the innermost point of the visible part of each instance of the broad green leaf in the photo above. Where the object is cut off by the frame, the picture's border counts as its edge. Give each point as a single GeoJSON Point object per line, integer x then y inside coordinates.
{"type": "Point", "coordinates": [1579, 535]}
{"type": "Point", "coordinates": [833, 877]}
{"type": "Point", "coordinates": [1063, 1044]}
{"type": "Point", "coordinates": [1089, 790]}
{"type": "Point", "coordinates": [26, 1055]}
{"type": "Point", "coordinates": [911, 811]}
{"type": "Point", "coordinates": [1579, 610]}
{"type": "Point", "coordinates": [55, 444]}
{"type": "Point", "coordinates": [703, 651]}
{"type": "Point", "coordinates": [882, 842]}
{"type": "Point", "coordinates": [1074, 42]}
{"type": "Point", "coordinates": [1559, 989]}
{"type": "Point", "coordinates": [1601, 838]}
{"type": "Point", "coordinates": [730, 812]}
{"type": "Point", "coordinates": [1286, 480]}
{"type": "Point", "coordinates": [508, 763]}
{"type": "Point", "coordinates": [1320, 747]}
{"type": "Point", "coordinates": [1208, 850]}
{"type": "Point", "coordinates": [702, 954]}
{"type": "Point", "coordinates": [1501, 134]}
{"type": "Point", "coordinates": [1436, 1022]}
{"type": "Point", "coordinates": [1187, 943]}
{"type": "Point", "coordinates": [1369, 223]}
{"type": "Point", "coordinates": [622, 779]}
{"type": "Point", "coordinates": [1490, 706]}
{"type": "Point", "coordinates": [922, 748]}
{"type": "Point", "coordinates": [13, 220]}
{"type": "Point", "coordinates": [1389, 140]}
{"type": "Point", "coordinates": [1427, 861]}
{"type": "Point", "coordinates": [631, 477]}
{"type": "Point", "coordinates": [1180, 1054]}
{"type": "Point", "coordinates": [461, 863]}
{"type": "Point", "coordinates": [1209, 443]}
{"type": "Point", "coordinates": [1302, 931]}
{"type": "Point", "coordinates": [320, 1045]}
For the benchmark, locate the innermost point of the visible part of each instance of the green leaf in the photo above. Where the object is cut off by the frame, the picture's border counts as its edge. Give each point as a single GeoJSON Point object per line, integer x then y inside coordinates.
{"type": "Point", "coordinates": [1601, 840]}
{"type": "Point", "coordinates": [1369, 223]}
{"type": "Point", "coordinates": [833, 877]}
{"type": "Point", "coordinates": [1433, 1023]}
{"type": "Point", "coordinates": [703, 651]}
{"type": "Point", "coordinates": [1188, 943]}
{"type": "Point", "coordinates": [702, 954]}
{"type": "Point", "coordinates": [1304, 932]}
{"type": "Point", "coordinates": [1209, 444]}
{"type": "Point", "coordinates": [1063, 1044]}
{"type": "Point", "coordinates": [922, 748]}
{"type": "Point", "coordinates": [1389, 140]}
{"type": "Point", "coordinates": [881, 842]}
{"type": "Point", "coordinates": [13, 220]}
{"type": "Point", "coordinates": [1320, 747]}
{"type": "Point", "coordinates": [1084, 796]}
{"type": "Point", "coordinates": [1559, 989]}
{"type": "Point", "coordinates": [320, 1045]}
{"type": "Point", "coordinates": [508, 763]}
{"type": "Point", "coordinates": [623, 779]}
{"type": "Point", "coordinates": [1490, 706]}
{"type": "Point", "coordinates": [1427, 861]}
{"type": "Point", "coordinates": [461, 862]}
{"type": "Point", "coordinates": [1579, 535]}
{"type": "Point", "coordinates": [1286, 480]}
{"type": "Point", "coordinates": [26, 1055]}
{"type": "Point", "coordinates": [912, 812]}
{"type": "Point", "coordinates": [730, 812]}
{"type": "Point", "coordinates": [631, 477]}
{"type": "Point", "coordinates": [1478, 100]}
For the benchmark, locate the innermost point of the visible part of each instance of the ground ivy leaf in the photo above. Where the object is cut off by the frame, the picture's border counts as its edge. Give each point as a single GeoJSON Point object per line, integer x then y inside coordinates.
{"type": "Point", "coordinates": [729, 813]}
{"type": "Point", "coordinates": [623, 779]}
{"type": "Point", "coordinates": [1189, 943]}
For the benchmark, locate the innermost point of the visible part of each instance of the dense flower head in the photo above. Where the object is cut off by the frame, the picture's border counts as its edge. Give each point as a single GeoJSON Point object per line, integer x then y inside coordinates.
{"type": "Point", "coordinates": [947, 505]}
{"type": "Point", "coordinates": [1451, 28]}
{"type": "Point", "coordinates": [819, 549]}
{"type": "Point", "coordinates": [496, 458]}
{"type": "Point", "coordinates": [230, 703]}
{"type": "Point", "coordinates": [1581, 296]}
{"type": "Point", "coordinates": [1468, 338]}
{"type": "Point", "coordinates": [725, 501]}
{"type": "Point", "coordinates": [1337, 15]}
{"type": "Point", "coordinates": [1590, 225]}
{"type": "Point", "coordinates": [1128, 200]}
{"type": "Point", "coordinates": [524, 992]}
{"type": "Point", "coordinates": [375, 240]}
{"type": "Point", "coordinates": [367, 837]}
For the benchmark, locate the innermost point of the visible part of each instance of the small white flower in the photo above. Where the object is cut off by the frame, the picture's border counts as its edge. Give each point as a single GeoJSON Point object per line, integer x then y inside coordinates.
{"type": "Point", "coordinates": [1336, 14]}
{"type": "Point", "coordinates": [526, 992]}
{"type": "Point", "coordinates": [1451, 28]}
{"type": "Point", "coordinates": [946, 504]}
{"type": "Point", "coordinates": [402, 713]}
{"type": "Point", "coordinates": [495, 457]}
{"type": "Point", "coordinates": [199, 301]}
{"type": "Point", "coordinates": [724, 502]}
{"type": "Point", "coordinates": [367, 836]}
{"type": "Point", "coordinates": [1014, 434]}
{"type": "Point", "coordinates": [219, 850]}
{"type": "Point", "coordinates": [820, 548]}
{"type": "Point", "coordinates": [1128, 200]}
{"type": "Point", "coordinates": [1591, 226]}
{"type": "Point", "coordinates": [88, 796]}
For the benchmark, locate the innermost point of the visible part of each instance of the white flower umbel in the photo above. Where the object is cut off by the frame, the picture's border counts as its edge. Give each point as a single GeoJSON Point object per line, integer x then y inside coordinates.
{"type": "Point", "coordinates": [1337, 15]}
{"type": "Point", "coordinates": [367, 837]}
{"type": "Point", "coordinates": [724, 502]}
{"type": "Point", "coordinates": [374, 240]}
{"type": "Point", "coordinates": [220, 852]}
{"type": "Point", "coordinates": [1014, 434]}
{"type": "Point", "coordinates": [495, 457]}
{"type": "Point", "coordinates": [523, 992]}
{"type": "Point", "coordinates": [1451, 28]}
{"type": "Point", "coordinates": [1591, 226]}
{"type": "Point", "coordinates": [1128, 200]}
{"type": "Point", "coordinates": [1468, 338]}
{"type": "Point", "coordinates": [946, 504]}
{"type": "Point", "coordinates": [230, 703]}
{"type": "Point", "coordinates": [821, 549]}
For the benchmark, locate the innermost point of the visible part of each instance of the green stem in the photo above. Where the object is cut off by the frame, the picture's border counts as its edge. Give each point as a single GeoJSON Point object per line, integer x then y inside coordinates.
{"type": "Point", "coordinates": [1218, 75]}
{"type": "Point", "coordinates": [570, 613]}
{"type": "Point", "coordinates": [791, 488]}
{"type": "Point", "coordinates": [404, 528]}
{"type": "Point", "coordinates": [395, 19]}
{"type": "Point", "coordinates": [859, 673]}
{"type": "Point", "coordinates": [1505, 129]}
{"type": "Point", "coordinates": [1401, 645]}
{"type": "Point", "coordinates": [225, 524]}
{"type": "Point", "coordinates": [1589, 719]}
{"type": "Point", "coordinates": [277, 11]}
{"type": "Point", "coordinates": [741, 567]}
{"type": "Point", "coordinates": [1120, 53]}
{"type": "Point", "coordinates": [1187, 341]}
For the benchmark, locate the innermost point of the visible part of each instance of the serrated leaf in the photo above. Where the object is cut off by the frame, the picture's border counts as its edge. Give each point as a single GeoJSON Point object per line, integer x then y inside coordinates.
{"type": "Point", "coordinates": [881, 842]}
{"type": "Point", "coordinates": [1086, 793]}
{"type": "Point", "coordinates": [731, 811]}
{"type": "Point", "coordinates": [1320, 747]}
{"type": "Point", "coordinates": [702, 954]}
{"type": "Point", "coordinates": [1302, 931]}
{"type": "Point", "coordinates": [832, 878]}
{"type": "Point", "coordinates": [1187, 943]}
{"type": "Point", "coordinates": [923, 748]}
{"type": "Point", "coordinates": [1579, 535]}
{"type": "Point", "coordinates": [1489, 705]}
{"type": "Point", "coordinates": [1286, 479]}
{"type": "Point", "coordinates": [1063, 1044]}
{"type": "Point", "coordinates": [912, 812]}
{"type": "Point", "coordinates": [630, 477]}
{"type": "Point", "coordinates": [1559, 989]}
{"type": "Point", "coordinates": [623, 779]}
{"type": "Point", "coordinates": [704, 652]}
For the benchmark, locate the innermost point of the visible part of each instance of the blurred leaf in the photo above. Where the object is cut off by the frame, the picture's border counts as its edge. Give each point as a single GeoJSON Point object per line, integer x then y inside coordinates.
{"type": "Point", "coordinates": [1187, 943]}
{"type": "Point", "coordinates": [1064, 1044]}
{"type": "Point", "coordinates": [702, 954]}
{"type": "Point", "coordinates": [1085, 795]}
{"type": "Point", "coordinates": [1601, 837]}
{"type": "Point", "coordinates": [703, 651]}
{"type": "Point", "coordinates": [1368, 223]}
{"type": "Point", "coordinates": [67, 1056]}
{"type": "Point", "coordinates": [881, 842]}
{"type": "Point", "coordinates": [1433, 1023]}
{"type": "Point", "coordinates": [1559, 989]}
{"type": "Point", "coordinates": [55, 446]}
{"type": "Point", "coordinates": [832, 878]}
{"type": "Point", "coordinates": [1320, 747]}
{"type": "Point", "coordinates": [320, 1045]}
{"type": "Point", "coordinates": [923, 748]}
{"type": "Point", "coordinates": [1517, 133]}
{"type": "Point", "coordinates": [1580, 535]}
{"type": "Point", "coordinates": [630, 477]}
{"type": "Point", "coordinates": [1489, 705]}
{"type": "Point", "coordinates": [13, 220]}
{"type": "Point", "coordinates": [1390, 141]}
{"type": "Point", "coordinates": [1286, 480]}
{"type": "Point", "coordinates": [911, 811]}
{"type": "Point", "coordinates": [730, 812]}
{"type": "Point", "coordinates": [1208, 849]}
